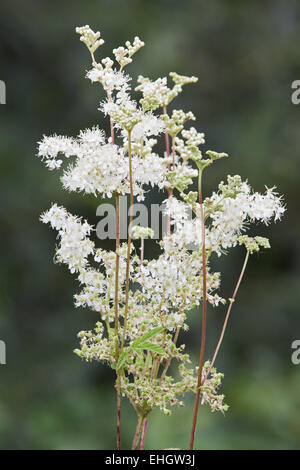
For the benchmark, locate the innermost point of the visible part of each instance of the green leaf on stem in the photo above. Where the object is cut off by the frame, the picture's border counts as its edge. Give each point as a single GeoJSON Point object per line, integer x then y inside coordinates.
{"type": "Point", "coordinates": [149, 347]}
{"type": "Point", "coordinates": [147, 336]}
{"type": "Point", "coordinates": [122, 359]}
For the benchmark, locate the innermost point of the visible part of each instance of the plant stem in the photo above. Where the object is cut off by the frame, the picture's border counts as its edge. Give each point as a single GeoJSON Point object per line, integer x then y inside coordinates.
{"type": "Point", "coordinates": [117, 274]}
{"type": "Point", "coordinates": [112, 134]}
{"type": "Point", "coordinates": [173, 153]}
{"type": "Point", "coordinates": [116, 301]}
{"type": "Point", "coordinates": [142, 251]}
{"type": "Point", "coordinates": [166, 135]}
{"type": "Point", "coordinates": [153, 377]}
{"type": "Point", "coordinates": [117, 320]}
{"type": "Point", "coordinates": [170, 192]}
{"type": "Point", "coordinates": [203, 335]}
{"type": "Point", "coordinates": [144, 429]}
{"type": "Point", "coordinates": [137, 434]}
{"type": "Point", "coordinates": [128, 243]}
{"type": "Point", "coordinates": [167, 365]}
{"type": "Point", "coordinates": [118, 412]}
{"type": "Point", "coordinates": [227, 316]}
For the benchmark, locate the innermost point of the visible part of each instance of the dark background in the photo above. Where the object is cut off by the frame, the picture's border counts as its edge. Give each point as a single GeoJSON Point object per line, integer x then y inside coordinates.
{"type": "Point", "coordinates": [246, 55]}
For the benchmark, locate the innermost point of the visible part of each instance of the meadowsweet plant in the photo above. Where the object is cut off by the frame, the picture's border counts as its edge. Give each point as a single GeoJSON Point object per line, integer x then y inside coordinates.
{"type": "Point", "coordinates": [141, 305]}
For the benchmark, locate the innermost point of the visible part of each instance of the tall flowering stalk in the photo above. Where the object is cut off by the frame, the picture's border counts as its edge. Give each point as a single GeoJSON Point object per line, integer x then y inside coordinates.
{"type": "Point", "coordinates": [142, 305]}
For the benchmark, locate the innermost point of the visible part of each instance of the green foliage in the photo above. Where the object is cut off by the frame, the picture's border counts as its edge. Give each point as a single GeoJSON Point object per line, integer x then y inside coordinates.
{"type": "Point", "coordinates": [142, 343]}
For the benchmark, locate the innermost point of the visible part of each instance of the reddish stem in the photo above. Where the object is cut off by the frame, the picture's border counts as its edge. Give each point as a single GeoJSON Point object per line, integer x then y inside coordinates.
{"type": "Point", "coordinates": [173, 153]}
{"type": "Point", "coordinates": [137, 433]}
{"type": "Point", "coordinates": [118, 415]}
{"type": "Point", "coordinates": [117, 320]}
{"type": "Point", "coordinates": [128, 242]}
{"type": "Point", "coordinates": [203, 334]}
{"type": "Point", "coordinates": [144, 430]}
{"type": "Point", "coordinates": [227, 317]}
{"type": "Point", "coordinates": [170, 192]}
{"type": "Point", "coordinates": [112, 134]}
{"type": "Point", "coordinates": [167, 135]}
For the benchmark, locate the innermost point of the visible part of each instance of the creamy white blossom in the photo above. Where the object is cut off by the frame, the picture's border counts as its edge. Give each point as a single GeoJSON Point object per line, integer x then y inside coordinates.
{"type": "Point", "coordinates": [123, 54]}
{"type": "Point", "coordinates": [142, 305]}
{"type": "Point", "coordinates": [100, 167]}
{"type": "Point", "coordinates": [75, 245]}
{"type": "Point", "coordinates": [91, 39]}
{"type": "Point", "coordinates": [111, 80]}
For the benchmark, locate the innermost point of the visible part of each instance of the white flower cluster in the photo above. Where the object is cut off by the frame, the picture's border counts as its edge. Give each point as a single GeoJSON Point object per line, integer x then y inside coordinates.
{"type": "Point", "coordinates": [90, 38]}
{"type": "Point", "coordinates": [94, 347]}
{"type": "Point", "coordinates": [231, 212]}
{"type": "Point", "coordinates": [144, 304]}
{"type": "Point", "coordinates": [142, 232]}
{"type": "Point", "coordinates": [99, 283]}
{"type": "Point", "coordinates": [156, 94]}
{"type": "Point", "coordinates": [111, 80]}
{"type": "Point", "coordinates": [210, 388]}
{"type": "Point", "coordinates": [175, 123]}
{"type": "Point", "coordinates": [253, 244]}
{"type": "Point", "coordinates": [123, 54]}
{"type": "Point", "coordinates": [75, 246]}
{"type": "Point", "coordinates": [100, 167]}
{"type": "Point", "coordinates": [171, 284]}
{"type": "Point", "coordinates": [51, 147]}
{"type": "Point", "coordinates": [228, 214]}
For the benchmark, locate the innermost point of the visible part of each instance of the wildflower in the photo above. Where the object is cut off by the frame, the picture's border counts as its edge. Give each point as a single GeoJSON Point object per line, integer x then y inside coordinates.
{"type": "Point", "coordinates": [144, 304]}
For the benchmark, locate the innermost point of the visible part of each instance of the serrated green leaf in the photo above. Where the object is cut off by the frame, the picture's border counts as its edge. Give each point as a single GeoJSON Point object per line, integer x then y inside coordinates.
{"type": "Point", "coordinates": [122, 359]}
{"type": "Point", "coordinates": [149, 347]}
{"type": "Point", "coordinates": [147, 336]}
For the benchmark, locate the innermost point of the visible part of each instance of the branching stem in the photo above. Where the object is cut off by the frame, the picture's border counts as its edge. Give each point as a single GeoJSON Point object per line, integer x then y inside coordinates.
{"type": "Point", "coordinates": [227, 317]}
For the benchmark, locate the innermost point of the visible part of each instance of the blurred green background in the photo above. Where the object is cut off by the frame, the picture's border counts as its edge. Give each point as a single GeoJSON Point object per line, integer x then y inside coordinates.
{"type": "Point", "coordinates": [246, 55]}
